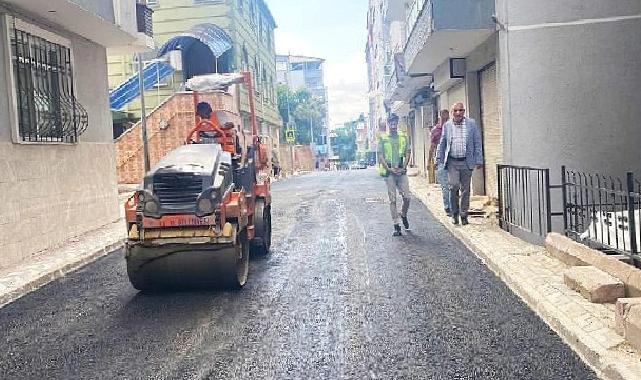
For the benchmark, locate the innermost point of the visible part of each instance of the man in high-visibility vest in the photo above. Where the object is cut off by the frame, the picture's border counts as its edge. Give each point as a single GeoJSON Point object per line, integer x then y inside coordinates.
{"type": "Point", "coordinates": [393, 157]}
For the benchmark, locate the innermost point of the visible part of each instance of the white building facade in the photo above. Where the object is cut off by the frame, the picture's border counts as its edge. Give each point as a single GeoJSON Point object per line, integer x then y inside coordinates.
{"type": "Point", "coordinates": [548, 83]}
{"type": "Point", "coordinates": [57, 158]}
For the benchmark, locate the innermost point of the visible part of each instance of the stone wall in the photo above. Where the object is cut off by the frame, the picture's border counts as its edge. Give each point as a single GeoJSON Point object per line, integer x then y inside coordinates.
{"type": "Point", "coordinates": [303, 158]}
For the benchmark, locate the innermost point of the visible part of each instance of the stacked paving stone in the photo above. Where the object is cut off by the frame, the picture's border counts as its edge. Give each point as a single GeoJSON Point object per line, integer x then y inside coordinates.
{"type": "Point", "coordinates": [602, 278]}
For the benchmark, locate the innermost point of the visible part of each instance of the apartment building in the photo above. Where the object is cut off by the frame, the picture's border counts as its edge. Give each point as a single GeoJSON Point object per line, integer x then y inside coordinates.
{"type": "Point", "coordinates": [57, 174]}
{"type": "Point", "coordinates": [549, 83]}
{"type": "Point", "coordinates": [248, 24]}
{"type": "Point", "coordinates": [298, 72]}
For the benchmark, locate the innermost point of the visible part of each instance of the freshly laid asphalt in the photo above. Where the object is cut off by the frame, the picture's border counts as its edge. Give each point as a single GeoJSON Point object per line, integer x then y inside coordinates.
{"type": "Point", "coordinates": [338, 298]}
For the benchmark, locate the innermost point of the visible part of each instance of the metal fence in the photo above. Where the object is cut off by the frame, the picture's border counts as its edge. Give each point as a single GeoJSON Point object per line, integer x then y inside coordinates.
{"type": "Point", "coordinates": [599, 211]}
{"type": "Point", "coordinates": [603, 211]}
{"type": "Point", "coordinates": [524, 201]}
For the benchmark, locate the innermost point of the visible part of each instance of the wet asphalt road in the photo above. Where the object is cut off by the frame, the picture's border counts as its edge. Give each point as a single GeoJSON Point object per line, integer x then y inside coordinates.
{"type": "Point", "coordinates": [339, 298]}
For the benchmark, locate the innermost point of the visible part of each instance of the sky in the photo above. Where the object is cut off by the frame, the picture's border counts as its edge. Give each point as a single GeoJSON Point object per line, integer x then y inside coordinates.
{"type": "Point", "coordinates": [335, 30]}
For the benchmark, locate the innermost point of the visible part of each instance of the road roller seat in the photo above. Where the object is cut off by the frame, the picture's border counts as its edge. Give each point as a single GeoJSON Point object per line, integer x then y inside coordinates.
{"type": "Point", "coordinates": [210, 130]}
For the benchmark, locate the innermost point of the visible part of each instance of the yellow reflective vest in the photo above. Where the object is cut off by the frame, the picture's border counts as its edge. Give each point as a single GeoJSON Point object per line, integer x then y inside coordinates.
{"type": "Point", "coordinates": [387, 150]}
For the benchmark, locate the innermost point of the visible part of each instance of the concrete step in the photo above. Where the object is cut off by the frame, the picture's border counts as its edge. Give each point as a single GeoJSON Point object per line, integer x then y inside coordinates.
{"type": "Point", "coordinates": [572, 253]}
{"type": "Point", "coordinates": [593, 284]}
{"type": "Point", "coordinates": [623, 307]}
{"type": "Point", "coordinates": [628, 320]}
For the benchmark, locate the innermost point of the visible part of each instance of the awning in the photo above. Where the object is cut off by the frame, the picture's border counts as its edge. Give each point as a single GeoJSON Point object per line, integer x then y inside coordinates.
{"type": "Point", "coordinates": [216, 39]}
{"type": "Point", "coordinates": [153, 73]}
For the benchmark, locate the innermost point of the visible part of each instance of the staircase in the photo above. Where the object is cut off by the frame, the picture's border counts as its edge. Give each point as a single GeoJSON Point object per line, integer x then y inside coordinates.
{"type": "Point", "coordinates": [167, 128]}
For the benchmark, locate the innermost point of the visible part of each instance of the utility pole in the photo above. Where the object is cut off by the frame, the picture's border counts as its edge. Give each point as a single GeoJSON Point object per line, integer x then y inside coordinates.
{"type": "Point", "coordinates": [311, 129]}
{"type": "Point", "coordinates": [287, 92]}
{"type": "Point", "coordinates": [311, 138]}
{"type": "Point", "coordinates": [289, 120]}
{"type": "Point", "coordinates": [143, 116]}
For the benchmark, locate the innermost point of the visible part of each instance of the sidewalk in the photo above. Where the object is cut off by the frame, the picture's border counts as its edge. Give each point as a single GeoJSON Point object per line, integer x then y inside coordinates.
{"type": "Point", "coordinates": [73, 254]}
{"type": "Point", "coordinates": [538, 279]}
{"type": "Point", "coordinates": [54, 263]}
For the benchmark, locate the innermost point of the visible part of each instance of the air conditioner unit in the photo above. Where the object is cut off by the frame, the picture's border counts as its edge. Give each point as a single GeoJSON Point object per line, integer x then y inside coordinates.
{"type": "Point", "coordinates": [457, 67]}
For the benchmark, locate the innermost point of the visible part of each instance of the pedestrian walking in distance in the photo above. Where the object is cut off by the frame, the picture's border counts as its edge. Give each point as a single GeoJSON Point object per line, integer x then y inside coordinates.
{"type": "Point", "coordinates": [393, 156]}
{"type": "Point", "coordinates": [460, 151]}
{"type": "Point", "coordinates": [441, 172]}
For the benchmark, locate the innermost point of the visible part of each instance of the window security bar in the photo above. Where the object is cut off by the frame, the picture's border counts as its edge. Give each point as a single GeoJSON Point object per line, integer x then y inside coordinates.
{"type": "Point", "coordinates": [48, 110]}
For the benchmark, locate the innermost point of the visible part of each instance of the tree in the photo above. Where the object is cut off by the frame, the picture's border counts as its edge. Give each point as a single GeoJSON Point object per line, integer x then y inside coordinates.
{"type": "Point", "coordinates": [345, 141]}
{"type": "Point", "coordinates": [306, 112]}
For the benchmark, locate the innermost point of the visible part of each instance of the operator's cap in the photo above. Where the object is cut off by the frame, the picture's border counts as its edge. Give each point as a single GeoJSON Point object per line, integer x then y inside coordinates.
{"type": "Point", "coordinates": [392, 118]}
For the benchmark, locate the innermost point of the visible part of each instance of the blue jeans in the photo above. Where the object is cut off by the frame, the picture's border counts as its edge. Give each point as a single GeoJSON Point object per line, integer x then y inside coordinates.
{"type": "Point", "coordinates": [441, 176]}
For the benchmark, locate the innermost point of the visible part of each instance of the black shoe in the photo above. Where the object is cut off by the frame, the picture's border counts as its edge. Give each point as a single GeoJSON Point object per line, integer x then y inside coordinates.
{"type": "Point", "coordinates": [397, 230]}
{"type": "Point", "coordinates": [406, 224]}
{"type": "Point", "coordinates": [448, 212]}
{"type": "Point", "coordinates": [455, 220]}
{"type": "Point", "coordinates": [464, 220]}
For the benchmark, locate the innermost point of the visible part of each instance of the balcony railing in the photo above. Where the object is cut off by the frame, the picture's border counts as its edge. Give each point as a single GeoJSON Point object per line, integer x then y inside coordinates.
{"type": "Point", "coordinates": [413, 12]}
{"type": "Point", "coordinates": [419, 28]}
{"type": "Point", "coordinates": [391, 85]}
{"type": "Point", "coordinates": [456, 27]}
{"type": "Point", "coordinates": [144, 19]}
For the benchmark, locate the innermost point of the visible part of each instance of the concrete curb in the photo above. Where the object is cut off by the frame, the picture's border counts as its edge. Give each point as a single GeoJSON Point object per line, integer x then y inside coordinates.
{"type": "Point", "coordinates": [42, 280]}
{"type": "Point", "coordinates": [59, 261]}
{"type": "Point", "coordinates": [603, 362]}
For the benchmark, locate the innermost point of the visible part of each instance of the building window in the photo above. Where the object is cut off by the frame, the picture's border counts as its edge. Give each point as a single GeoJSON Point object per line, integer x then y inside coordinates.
{"type": "Point", "coordinates": [265, 83]}
{"type": "Point", "coordinates": [47, 108]}
{"type": "Point", "coordinates": [257, 80]}
{"type": "Point", "coordinates": [314, 84]}
{"type": "Point", "coordinates": [271, 89]}
{"type": "Point", "coordinates": [252, 13]}
{"type": "Point", "coordinates": [244, 60]}
{"type": "Point", "coordinates": [313, 66]}
{"type": "Point", "coordinates": [152, 3]}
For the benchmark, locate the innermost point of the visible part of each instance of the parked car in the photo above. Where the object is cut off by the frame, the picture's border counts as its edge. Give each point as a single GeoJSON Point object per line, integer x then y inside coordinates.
{"type": "Point", "coordinates": [358, 165]}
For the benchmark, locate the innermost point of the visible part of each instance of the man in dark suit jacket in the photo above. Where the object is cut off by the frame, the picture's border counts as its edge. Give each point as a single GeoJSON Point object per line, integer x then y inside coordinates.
{"type": "Point", "coordinates": [460, 151]}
